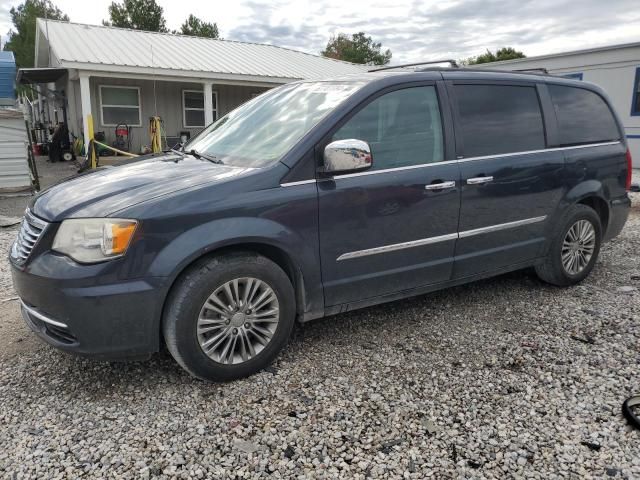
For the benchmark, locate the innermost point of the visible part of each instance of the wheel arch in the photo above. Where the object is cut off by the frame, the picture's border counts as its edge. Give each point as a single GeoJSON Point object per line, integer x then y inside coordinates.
{"type": "Point", "coordinates": [601, 207]}
{"type": "Point", "coordinates": [274, 253]}
{"type": "Point", "coordinates": [593, 194]}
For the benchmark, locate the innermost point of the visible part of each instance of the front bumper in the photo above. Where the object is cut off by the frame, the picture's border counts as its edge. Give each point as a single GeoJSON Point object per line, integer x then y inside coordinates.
{"type": "Point", "coordinates": [75, 313]}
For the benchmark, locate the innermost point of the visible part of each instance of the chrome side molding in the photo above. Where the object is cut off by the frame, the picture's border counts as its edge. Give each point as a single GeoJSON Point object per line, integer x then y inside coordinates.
{"type": "Point", "coordinates": [448, 162]}
{"type": "Point", "coordinates": [301, 182]}
{"type": "Point", "coordinates": [397, 246]}
{"type": "Point", "coordinates": [440, 238]}
{"type": "Point", "coordinates": [501, 226]}
{"type": "Point", "coordinates": [472, 159]}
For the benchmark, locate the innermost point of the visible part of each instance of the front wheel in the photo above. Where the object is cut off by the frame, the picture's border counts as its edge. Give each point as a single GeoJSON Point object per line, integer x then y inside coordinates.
{"type": "Point", "coordinates": [574, 248]}
{"type": "Point", "coordinates": [229, 316]}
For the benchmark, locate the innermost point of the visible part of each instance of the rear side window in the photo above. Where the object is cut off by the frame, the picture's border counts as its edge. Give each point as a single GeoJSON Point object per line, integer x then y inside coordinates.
{"type": "Point", "coordinates": [402, 128]}
{"type": "Point", "coordinates": [583, 116]}
{"type": "Point", "coordinates": [497, 119]}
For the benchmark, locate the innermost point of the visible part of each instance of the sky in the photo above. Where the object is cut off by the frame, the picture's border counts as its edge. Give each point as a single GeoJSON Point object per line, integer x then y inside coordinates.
{"type": "Point", "coordinates": [414, 30]}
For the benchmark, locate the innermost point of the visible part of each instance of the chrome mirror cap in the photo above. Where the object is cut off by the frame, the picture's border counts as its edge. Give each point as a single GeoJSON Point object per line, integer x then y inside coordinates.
{"type": "Point", "coordinates": [347, 156]}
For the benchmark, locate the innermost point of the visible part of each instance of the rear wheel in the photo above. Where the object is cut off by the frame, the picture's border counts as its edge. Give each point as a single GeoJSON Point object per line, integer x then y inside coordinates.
{"type": "Point", "coordinates": [229, 316]}
{"type": "Point", "coordinates": [574, 249]}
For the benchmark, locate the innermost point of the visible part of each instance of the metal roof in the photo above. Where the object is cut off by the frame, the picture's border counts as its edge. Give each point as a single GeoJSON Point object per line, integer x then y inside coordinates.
{"type": "Point", "coordinates": [585, 51]}
{"type": "Point", "coordinates": [97, 47]}
{"type": "Point", "coordinates": [7, 57]}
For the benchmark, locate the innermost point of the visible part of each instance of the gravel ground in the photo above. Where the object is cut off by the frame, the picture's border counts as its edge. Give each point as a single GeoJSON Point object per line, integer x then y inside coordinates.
{"type": "Point", "coordinates": [506, 377]}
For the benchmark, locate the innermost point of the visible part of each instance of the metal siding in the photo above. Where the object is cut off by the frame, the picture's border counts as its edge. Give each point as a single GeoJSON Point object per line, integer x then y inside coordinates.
{"type": "Point", "coordinates": [168, 101]}
{"type": "Point", "coordinates": [121, 48]}
{"type": "Point", "coordinates": [14, 169]}
{"type": "Point", "coordinates": [7, 76]}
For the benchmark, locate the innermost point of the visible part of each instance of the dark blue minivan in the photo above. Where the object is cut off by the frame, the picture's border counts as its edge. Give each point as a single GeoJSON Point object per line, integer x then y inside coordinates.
{"type": "Point", "coordinates": [320, 197]}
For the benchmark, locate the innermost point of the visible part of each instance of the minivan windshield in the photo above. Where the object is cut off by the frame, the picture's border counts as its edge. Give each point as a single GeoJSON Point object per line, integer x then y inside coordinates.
{"type": "Point", "coordinates": [262, 130]}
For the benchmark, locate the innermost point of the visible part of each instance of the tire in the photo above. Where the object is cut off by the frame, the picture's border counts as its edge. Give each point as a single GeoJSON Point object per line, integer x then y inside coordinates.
{"type": "Point", "coordinates": [189, 323]}
{"type": "Point", "coordinates": [553, 270]}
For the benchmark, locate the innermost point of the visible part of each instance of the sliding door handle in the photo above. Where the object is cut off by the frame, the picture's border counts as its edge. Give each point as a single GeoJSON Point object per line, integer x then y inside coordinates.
{"type": "Point", "coordinates": [479, 180]}
{"type": "Point", "coordinates": [440, 186]}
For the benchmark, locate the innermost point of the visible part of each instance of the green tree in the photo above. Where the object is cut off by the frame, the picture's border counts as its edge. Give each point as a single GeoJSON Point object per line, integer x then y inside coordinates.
{"type": "Point", "coordinates": [137, 14]}
{"type": "Point", "coordinates": [357, 49]}
{"type": "Point", "coordinates": [199, 28]}
{"type": "Point", "coordinates": [22, 40]}
{"type": "Point", "coordinates": [505, 53]}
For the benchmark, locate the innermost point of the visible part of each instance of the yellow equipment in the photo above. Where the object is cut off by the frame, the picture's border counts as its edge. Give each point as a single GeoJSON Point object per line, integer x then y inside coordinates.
{"type": "Point", "coordinates": [155, 132]}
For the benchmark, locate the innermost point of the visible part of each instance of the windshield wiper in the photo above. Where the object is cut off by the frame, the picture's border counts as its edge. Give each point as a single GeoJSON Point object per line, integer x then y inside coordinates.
{"type": "Point", "coordinates": [199, 155]}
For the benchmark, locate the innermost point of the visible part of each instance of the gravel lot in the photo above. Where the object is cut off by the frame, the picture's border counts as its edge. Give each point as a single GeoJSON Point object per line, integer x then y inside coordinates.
{"type": "Point", "coordinates": [505, 377]}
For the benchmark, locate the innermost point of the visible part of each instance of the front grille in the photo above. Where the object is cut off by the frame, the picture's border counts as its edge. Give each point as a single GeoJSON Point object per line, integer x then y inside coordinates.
{"type": "Point", "coordinates": [30, 232]}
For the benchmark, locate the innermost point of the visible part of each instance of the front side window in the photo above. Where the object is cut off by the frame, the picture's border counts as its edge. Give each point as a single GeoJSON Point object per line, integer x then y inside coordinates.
{"type": "Point", "coordinates": [402, 128]}
{"type": "Point", "coordinates": [635, 98]}
{"type": "Point", "coordinates": [120, 105]}
{"type": "Point", "coordinates": [496, 119]}
{"type": "Point", "coordinates": [259, 132]}
{"type": "Point", "coordinates": [583, 116]}
{"type": "Point", "coordinates": [193, 108]}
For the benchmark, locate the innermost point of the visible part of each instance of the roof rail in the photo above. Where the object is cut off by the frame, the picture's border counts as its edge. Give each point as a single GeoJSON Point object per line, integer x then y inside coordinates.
{"type": "Point", "coordinates": [453, 64]}
{"type": "Point", "coordinates": [533, 70]}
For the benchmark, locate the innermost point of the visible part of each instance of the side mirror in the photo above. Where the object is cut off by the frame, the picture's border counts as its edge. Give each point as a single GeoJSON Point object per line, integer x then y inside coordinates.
{"type": "Point", "coordinates": [349, 155]}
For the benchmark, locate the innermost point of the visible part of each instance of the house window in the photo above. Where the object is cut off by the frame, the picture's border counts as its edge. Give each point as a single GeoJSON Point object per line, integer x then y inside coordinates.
{"type": "Point", "coordinates": [193, 108]}
{"type": "Point", "coordinates": [635, 97]}
{"type": "Point", "coordinates": [119, 105]}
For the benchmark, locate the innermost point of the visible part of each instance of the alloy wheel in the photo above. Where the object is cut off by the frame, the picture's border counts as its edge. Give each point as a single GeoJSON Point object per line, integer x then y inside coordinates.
{"type": "Point", "coordinates": [578, 247]}
{"type": "Point", "coordinates": [238, 320]}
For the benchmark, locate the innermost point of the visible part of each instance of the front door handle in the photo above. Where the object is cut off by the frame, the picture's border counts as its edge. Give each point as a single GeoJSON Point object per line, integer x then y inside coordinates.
{"type": "Point", "coordinates": [479, 180]}
{"type": "Point", "coordinates": [440, 186]}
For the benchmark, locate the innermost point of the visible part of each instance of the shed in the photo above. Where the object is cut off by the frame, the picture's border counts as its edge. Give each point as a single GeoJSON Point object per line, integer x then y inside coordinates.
{"type": "Point", "coordinates": [7, 78]}
{"type": "Point", "coordinates": [14, 167]}
{"type": "Point", "coordinates": [123, 77]}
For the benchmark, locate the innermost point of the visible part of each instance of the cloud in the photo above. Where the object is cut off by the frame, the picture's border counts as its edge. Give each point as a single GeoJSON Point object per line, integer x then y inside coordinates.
{"type": "Point", "coordinates": [414, 30]}
{"type": "Point", "coordinates": [423, 30]}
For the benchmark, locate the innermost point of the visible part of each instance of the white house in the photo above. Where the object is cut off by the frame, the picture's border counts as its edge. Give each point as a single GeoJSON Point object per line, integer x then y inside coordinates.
{"type": "Point", "coordinates": [121, 75]}
{"type": "Point", "coordinates": [615, 68]}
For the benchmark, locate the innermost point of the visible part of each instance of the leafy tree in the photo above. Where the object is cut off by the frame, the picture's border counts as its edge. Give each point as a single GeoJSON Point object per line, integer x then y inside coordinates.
{"type": "Point", "coordinates": [505, 53]}
{"type": "Point", "coordinates": [199, 28]}
{"type": "Point", "coordinates": [357, 49]}
{"type": "Point", "coordinates": [137, 14]}
{"type": "Point", "coordinates": [22, 41]}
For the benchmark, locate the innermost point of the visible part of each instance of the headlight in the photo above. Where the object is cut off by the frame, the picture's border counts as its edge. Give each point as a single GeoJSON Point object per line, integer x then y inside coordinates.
{"type": "Point", "coordinates": [90, 240]}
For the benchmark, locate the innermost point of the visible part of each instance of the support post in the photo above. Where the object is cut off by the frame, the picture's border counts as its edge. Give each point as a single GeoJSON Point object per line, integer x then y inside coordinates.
{"type": "Point", "coordinates": [85, 101]}
{"type": "Point", "coordinates": [208, 103]}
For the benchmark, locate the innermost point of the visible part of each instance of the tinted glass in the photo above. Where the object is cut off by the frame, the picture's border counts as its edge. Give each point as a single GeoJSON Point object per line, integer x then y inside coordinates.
{"type": "Point", "coordinates": [583, 116]}
{"type": "Point", "coordinates": [499, 119]}
{"type": "Point", "coordinates": [402, 128]}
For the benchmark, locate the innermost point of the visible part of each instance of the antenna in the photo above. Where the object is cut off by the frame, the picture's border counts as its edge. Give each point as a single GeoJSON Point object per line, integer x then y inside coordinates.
{"type": "Point", "coordinates": [451, 62]}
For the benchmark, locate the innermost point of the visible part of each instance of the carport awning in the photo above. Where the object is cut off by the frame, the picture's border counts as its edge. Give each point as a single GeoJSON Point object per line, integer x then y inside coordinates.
{"type": "Point", "coordinates": [39, 75]}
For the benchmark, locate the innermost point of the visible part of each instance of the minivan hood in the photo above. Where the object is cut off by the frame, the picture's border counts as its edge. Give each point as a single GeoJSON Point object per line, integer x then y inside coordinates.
{"type": "Point", "coordinates": [109, 189]}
